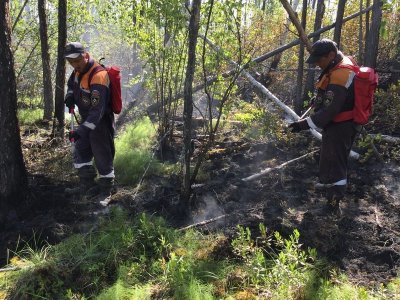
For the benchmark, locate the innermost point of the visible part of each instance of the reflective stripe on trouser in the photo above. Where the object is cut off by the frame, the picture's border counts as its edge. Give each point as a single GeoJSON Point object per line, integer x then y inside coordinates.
{"type": "Point", "coordinates": [99, 144]}
{"type": "Point", "coordinates": [337, 139]}
{"type": "Point", "coordinates": [319, 185]}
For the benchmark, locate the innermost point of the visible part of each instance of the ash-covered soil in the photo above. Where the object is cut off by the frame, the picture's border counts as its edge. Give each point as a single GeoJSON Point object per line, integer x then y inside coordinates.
{"type": "Point", "coordinates": [364, 242]}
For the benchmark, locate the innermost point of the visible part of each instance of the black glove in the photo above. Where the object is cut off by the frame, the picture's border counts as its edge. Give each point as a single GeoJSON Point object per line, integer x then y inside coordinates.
{"type": "Point", "coordinates": [69, 101]}
{"type": "Point", "coordinates": [294, 127]}
{"type": "Point", "coordinates": [298, 126]}
{"type": "Point", "coordinates": [73, 136]}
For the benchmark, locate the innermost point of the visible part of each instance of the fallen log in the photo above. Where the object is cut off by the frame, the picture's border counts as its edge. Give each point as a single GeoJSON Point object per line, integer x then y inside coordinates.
{"type": "Point", "coordinates": [268, 94]}
{"type": "Point", "coordinates": [386, 138]}
{"type": "Point", "coordinates": [9, 269]}
{"type": "Point", "coordinates": [378, 222]}
{"type": "Point", "coordinates": [287, 109]}
{"type": "Point", "coordinates": [202, 223]}
{"type": "Point", "coordinates": [269, 170]}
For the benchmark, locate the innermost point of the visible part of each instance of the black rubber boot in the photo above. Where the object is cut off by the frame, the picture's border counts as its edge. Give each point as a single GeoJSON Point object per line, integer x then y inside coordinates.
{"type": "Point", "coordinates": [86, 176]}
{"type": "Point", "coordinates": [106, 186]}
{"type": "Point", "coordinates": [335, 195]}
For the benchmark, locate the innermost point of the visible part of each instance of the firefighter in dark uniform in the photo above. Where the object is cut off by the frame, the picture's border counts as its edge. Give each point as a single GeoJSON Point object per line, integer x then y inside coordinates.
{"type": "Point", "coordinates": [94, 137]}
{"type": "Point", "coordinates": [335, 96]}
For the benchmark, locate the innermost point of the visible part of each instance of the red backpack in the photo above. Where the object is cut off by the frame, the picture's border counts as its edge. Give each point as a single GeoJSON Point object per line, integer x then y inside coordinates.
{"type": "Point", "coordinates": [365, 83]}
{"type": "Point", "coordinates": [115, 85]}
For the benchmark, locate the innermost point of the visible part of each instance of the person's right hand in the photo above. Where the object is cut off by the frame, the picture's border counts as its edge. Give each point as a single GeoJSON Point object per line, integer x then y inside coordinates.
{"type": "Point", "coordinates": [294, 127]}
{"type": "Point", "coordinates": [69, 101]}
{"type": "Point", "coordinates": [298, 126]}
{"type": "Point", "coordinates": [73, 136]}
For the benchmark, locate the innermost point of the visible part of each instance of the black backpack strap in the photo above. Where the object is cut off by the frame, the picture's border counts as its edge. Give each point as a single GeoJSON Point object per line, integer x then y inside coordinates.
{"type": "Point", "coordinates": [94, 71]}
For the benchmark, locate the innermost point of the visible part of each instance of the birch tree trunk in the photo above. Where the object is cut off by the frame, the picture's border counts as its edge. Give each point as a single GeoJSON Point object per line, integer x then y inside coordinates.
{"type": "Point", "coordinates": [44, 40]}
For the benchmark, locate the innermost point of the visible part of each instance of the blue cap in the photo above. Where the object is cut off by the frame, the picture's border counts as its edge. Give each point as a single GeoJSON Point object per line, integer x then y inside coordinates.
{"type": "Point", "coordinates": [321, 48]}
{"type": "Point", "coordinates": [73, 50]}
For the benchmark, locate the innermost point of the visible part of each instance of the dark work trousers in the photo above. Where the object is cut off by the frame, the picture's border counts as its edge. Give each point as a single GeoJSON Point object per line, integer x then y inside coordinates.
{"type": "Point", "coordinates": [98, 144]}
{"type": "Point", "coordinates": [337, 139]}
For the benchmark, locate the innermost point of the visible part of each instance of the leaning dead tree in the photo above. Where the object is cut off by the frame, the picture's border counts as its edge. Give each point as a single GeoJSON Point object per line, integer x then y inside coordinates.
{"type": "Point", "coordinates": [270, 54]}
{"type": "Point", "coordinates": [386, 138]}
{"type": "Point", "coordinates": [297, 24]}
{"type": "Point", "coordinates": [311, 35]}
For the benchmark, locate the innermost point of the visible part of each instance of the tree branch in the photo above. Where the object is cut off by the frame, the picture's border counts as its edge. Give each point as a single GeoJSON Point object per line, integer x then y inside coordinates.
{"type": "Point", "coordinates": [202, 223]}
{"type": "Point", "coordinates": [269, 170]}
{"type": "Point", "coordinates": [316, 33]}
{"type": "Point", "coordinates": [19, 15]}
{"type": "Point", "coordinates": [296, 22]}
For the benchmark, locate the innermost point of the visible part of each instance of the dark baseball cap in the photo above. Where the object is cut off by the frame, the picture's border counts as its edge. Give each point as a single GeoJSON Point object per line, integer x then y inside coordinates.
{"type": "Point", "coordinates": [321, 48]}
{"type": "Point", "coordinates": [73, 50]}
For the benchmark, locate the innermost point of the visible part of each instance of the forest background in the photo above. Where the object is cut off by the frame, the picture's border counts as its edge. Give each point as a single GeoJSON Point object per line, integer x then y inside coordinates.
{"type": "Point", "coordinates": [183, 64]}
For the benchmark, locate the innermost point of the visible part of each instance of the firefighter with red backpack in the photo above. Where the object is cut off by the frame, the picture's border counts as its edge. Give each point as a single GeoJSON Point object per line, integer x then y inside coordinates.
{"type": "Point", "coordinates": [89, 90]}
{"type": "Point", "coordinates": [340, 110]}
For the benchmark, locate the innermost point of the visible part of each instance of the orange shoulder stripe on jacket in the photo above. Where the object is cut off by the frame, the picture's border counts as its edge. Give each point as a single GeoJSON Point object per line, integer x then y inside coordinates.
{"type": "Point", "coordinates": [100, 77]}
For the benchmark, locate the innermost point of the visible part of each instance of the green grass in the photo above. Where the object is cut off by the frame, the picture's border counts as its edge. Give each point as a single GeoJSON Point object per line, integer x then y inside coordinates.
{"type": "Point", "coordinates": [133, 152]}
{"type": "Point", "coordinates": [142, 258]}
{"type": "Point", "coordinates": [121, 291]}
{"type": "Point", "coordinates": [29, 116]}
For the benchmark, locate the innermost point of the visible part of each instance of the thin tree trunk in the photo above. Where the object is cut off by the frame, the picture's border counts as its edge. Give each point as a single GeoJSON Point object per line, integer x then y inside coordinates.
{"type": "Point", "coordinates": [360, 35]}
{"type": "Point", "coordinates": [188, 99]}
{"type": "Point", "coordinates": [339, 21]}
{"type": "Point", "coordinates": [265, 56]}
{"type": "Point", "coordinates": [19, 15]}
{"type": "Point", "coordinates": [300, 73]}
{"type": "Point", "coordinates": [373, 36]}
{"type": "Point", "coordinates": [366, 29]}
{"type": "Point", "coordinates": [47, 85]}
{"type": "Point", "coordinates": [296, 23]}
{"type": "Point", "coordinates": [263, 5]}
{"type": "Point", "coordinates": [277, 58]}
{"type": "Point", "coordinates": [309, 86]}
{"type": "Point", "coordinates": [13, 178]}
{"type": "Point", "coordinates": [213, 128]}
{"type": "Point", "coordinates": [60, 70]}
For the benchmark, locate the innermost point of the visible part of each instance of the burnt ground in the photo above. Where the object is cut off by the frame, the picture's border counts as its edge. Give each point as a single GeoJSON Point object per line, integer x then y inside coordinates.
{"type": "Point", "coordinates": [364, 242]}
